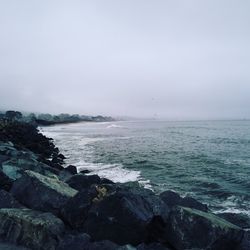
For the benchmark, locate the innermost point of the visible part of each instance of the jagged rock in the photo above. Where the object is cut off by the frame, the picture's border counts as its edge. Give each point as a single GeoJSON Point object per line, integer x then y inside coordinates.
{"type": "Point", "coordinates": [106, 181]}
{"type": "Point", "coordinates": [84, 171]}
{"type": "Point", "coordinates": [239, 220]}
{"type": "Point", "coordinates": [5, 181]}
{"type": "Point", "coordinates": [15, 168]}
{"type": "Point", "coordinates": [64, 175]}
{"type": "Point", "coordinates": [74, 242]}
{"type": "Point", "coordinates": [42, 193]}
{"type": "Point", "coordinates": [6, 246]}
{"type": "Point", "coordinates": [152, 246]}
{"type": "Point", "coordinates": [190, 228]}
{"type": "Point", "coordinates": [170, 198]}
{"type": "Point", "coordinates": [80, 181]}
{"type": "Point", "coordinates": [75, 211]}
{"type": "Point", "coordinates": [245, 243]}
{"type": "Point", "coordinates": [3, 158]}
{"type": "Point", "coordinates": [83, 242]}
{"type": "Point", "coordinates": [8, 150]}
{"type": "Point", "coordinates": [122, 216]}
{"type": "Point", "coordinates": [173, 199]}
{"type": "Point", "coordinates": [102, 245]}
{"type": "Point", "coordinates": [32, 229]}
{"type": "Point", "coordinates": [72, 169]}
{"type": "Point", "coordinates": [126, 247]}
{"type": "Point", "coordinates": [8, 201]}
{"type": "Point", "coordinates": [192, 203]}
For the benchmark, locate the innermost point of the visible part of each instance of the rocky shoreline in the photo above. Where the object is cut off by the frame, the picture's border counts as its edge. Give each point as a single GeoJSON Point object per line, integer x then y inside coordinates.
{"type": "Point", "coordinates": [46, 206]}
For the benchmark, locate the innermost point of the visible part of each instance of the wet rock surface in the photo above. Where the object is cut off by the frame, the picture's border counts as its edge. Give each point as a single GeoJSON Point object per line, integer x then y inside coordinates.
{"type": "Point", "coordinates": [190, 228]}
{"type": "Point", "coordinates": [8, 201]}
{"type": "Point", "coordinates": [33, 229]}
{"type": "Point", "coordinates": [42, 193]}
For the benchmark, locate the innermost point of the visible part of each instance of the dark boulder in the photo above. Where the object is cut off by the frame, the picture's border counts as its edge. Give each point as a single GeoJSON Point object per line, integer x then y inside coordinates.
{"type": "Point", "coordinates": [190, 228]}
{"type": "Point", "coordinates": [122, 216]}
{"type": "Point", "coordinates": [32, 229]}
{"type": "Point", "coordinates": [42, 193]}
{"type": "Point", "coordinates": [106, 181]}
{"type": "Point", "coordinates": [85, 171]}
{"type": "Point", "coordinates": [3, 158]}
{"type": "Point", "coordinates": [80, 181]}
{"type": "Point", "coordinates": [239, 220]}
{"type": "Point", "coordinates": [245, 243]}
{"type": "Point", "coordinates": [75, 211]}
{"type": "Point", "coordinates": [72, 169]}
{"type": "Point", "coordinates": [152, 246]}
{"type": "Point", "coordinates": [64, 175]}
{"type": "Point", "coordinates": [15, 167]}
{"type": "Point", "coordinates": [101, 245]}
{"type": "Point", "coordinates": [83, 242]}
{"type": "Point", "coordinates": [8, 201]}
{"type": "Point", "coordinates": [170, 198]}
{"type": "Point", "coordinates": [192, 203]}
{"type": "Point", "coordinates": [7, 246]}
{"type": "Point", "coordinates": [74, 242]}
{"type": "Point", "coordinates": [173, 199]}
{"type": "Point", "coordinates": [5, 181]}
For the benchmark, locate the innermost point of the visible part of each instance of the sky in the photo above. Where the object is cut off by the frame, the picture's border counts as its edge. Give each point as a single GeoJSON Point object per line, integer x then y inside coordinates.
{"type": "Point", "coordinates": [186, 59]}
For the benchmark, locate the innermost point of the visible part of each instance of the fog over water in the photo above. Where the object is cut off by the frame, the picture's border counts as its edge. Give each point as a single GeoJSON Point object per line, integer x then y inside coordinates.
{"type": "Point", "coordinates": [167, 59]}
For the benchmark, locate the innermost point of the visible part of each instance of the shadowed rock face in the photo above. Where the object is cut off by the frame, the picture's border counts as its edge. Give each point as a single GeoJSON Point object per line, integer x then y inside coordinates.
{"type": "Point", "coordinates": [42, 193]}
{"type": "Point", "coordinates": [8, 201]}
{"type": "Point", "coordinates": [80, 181]}
{"type": "Point", "coordinates": [122, 217]}
{"type": "Point", "coordinates": [190, 228]}
{"type": "Point", "coordinates": [6, 246]}
{"type": "Point", "coordinates": [5, 181]}
{"type": "Point", "coordinates": [173, 199]}
{"type": "Point", "coordinates": [32, 229]}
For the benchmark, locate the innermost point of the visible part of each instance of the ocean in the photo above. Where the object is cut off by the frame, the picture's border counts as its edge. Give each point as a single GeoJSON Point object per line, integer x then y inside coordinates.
{"type": "Point", "coordinates": [207, 160]}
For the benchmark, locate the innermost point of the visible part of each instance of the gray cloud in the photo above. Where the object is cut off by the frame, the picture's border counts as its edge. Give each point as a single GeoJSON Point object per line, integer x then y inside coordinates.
{"type": "Point", "coordinates": [171, 59]}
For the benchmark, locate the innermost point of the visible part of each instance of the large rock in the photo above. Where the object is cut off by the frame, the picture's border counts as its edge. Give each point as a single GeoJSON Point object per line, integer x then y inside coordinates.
{"type": "Point", "coordinates": [42, 193]}
{"type": "Point", "coordinates": [75, 211]}
{"type": "Point", "coordinates": [71, 169]}
{"type": "Point", "coordinates": [6, 246]}
{"type": "Point", "coordinates": [32, 229]}
{"type": "Point", "coordinates": [240, 220]}
{"type": "Point", "coordinates": [123, 217]}
{"type": "Point", "coordinates": [9, 151]}
{"type": "Point", "coordinates": [102, 245]}
{"type": "Point", "coordinates": [152, 246]}
{"type": "Point", "coordinates": [190, 228]}
{"type": "Point", "coordinates": [173, 199]}
{"type": "Point", "coordinates": [5, 181]}
{"type": "Point", "coordinates": [15, 167]}
{"type": "Point", "coordinates": [80, 181]}
{"type": "Point", "coordinates": [245, 243]}
{"type": "Point", "coordinates": [8, 201]}
{"type": "Point", "coordinates": [3, 158]}
{"type": "Point", "coordinates": [74, 242]}
{"type": "Point", "coordinates": [83, 242]}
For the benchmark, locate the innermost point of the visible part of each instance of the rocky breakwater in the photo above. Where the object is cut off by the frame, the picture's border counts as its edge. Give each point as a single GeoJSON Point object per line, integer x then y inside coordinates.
{"type": "Point", "coordinates": [45, 206]}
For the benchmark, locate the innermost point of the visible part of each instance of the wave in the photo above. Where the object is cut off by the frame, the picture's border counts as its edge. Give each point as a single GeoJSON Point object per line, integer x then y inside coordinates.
{"type": "Point", "coordinates": [114, 126]}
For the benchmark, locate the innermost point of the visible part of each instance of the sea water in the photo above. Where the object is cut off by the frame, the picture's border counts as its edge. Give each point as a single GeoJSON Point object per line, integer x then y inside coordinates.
{"type": "Point", "coordinates": [208, 160]}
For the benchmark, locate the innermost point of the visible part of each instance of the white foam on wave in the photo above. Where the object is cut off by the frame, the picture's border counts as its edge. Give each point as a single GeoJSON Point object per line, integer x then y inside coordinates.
{"type": "Point", "coordinates": [114, 126]}
{"type": "Point", "coordinates": [78, 151]}
{"type": "Point", "coordinates": [234, 211]}
{"type": "Point", "coordinates": [114, 172]}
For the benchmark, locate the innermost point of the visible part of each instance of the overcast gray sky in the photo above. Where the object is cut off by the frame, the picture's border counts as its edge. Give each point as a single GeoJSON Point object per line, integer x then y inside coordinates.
{"type": "Point", "coordinates": [172, 59]}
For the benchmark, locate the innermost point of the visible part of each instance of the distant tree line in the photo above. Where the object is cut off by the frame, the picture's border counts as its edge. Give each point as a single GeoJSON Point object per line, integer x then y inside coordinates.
{"type": "Point", "coordinates": [48, 119]}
